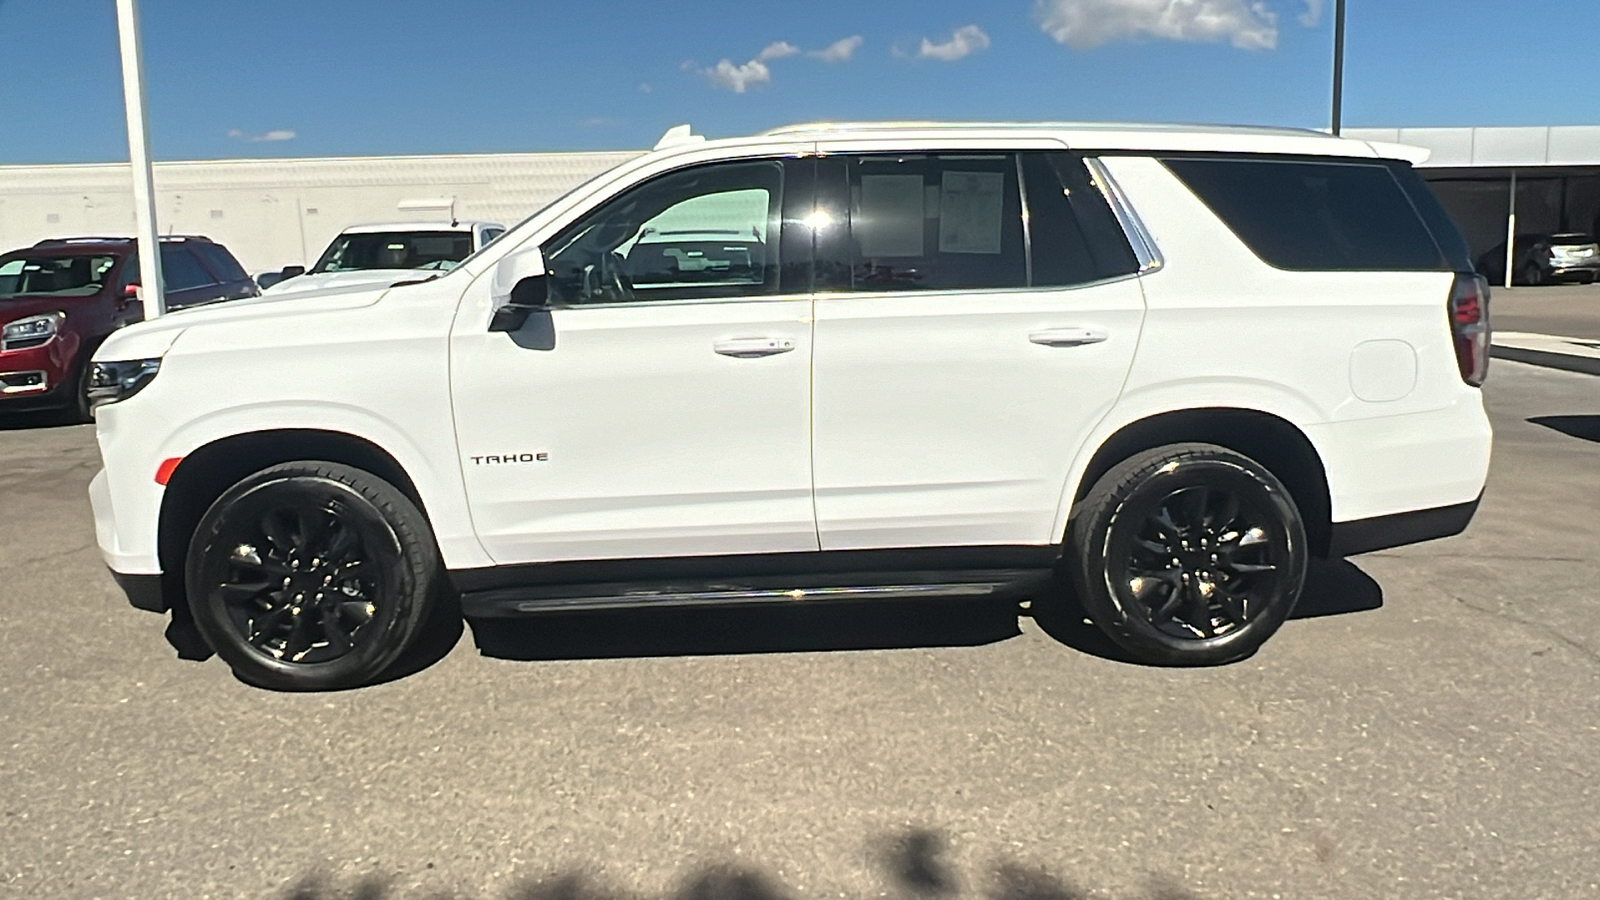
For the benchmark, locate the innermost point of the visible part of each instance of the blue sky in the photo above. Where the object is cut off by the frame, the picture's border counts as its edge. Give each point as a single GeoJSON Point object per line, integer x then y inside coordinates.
{"type": "Point", "coordinates": [262, 78]}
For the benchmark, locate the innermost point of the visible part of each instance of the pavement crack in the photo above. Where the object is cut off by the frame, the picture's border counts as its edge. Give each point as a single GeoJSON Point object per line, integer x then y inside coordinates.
{"type": "Point", "coordinates": [50, 556]}
{"type": "Point", "coordinates": [1545, 630]}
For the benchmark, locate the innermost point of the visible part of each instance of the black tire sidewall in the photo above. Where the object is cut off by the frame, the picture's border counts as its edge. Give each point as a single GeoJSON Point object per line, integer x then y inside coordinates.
{"type": "Point", "coordinates": [1122, 494]}
{"type": "Point", "coordinates": [407, 572]}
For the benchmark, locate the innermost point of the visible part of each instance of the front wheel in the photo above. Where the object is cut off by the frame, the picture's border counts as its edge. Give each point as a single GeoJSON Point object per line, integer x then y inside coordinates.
{"type": "Point", "coordinates": [1188, 555]}
{"type": "Point", "coordinates": [311, 576]}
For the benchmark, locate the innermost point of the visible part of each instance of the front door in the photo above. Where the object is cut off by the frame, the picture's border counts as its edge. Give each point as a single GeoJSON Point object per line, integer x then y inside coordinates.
{"type": "Point", "coordinates": [663, 409]}
{"type": "Point", "coordinates": [977, 314]}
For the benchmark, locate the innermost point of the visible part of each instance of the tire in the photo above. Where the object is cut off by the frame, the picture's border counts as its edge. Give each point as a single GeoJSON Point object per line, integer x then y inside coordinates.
{"type": "Point", "coordinates": [1187, 555]}
{"type": "Point", "coordinates": [1533, 276]}
{"type": "Point", "coordinates": [311, 576]}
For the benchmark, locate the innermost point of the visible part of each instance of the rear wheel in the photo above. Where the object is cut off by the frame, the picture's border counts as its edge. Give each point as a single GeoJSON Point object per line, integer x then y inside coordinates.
{"type": "Point", "coordinates": [311, 576]}
{"type": "Point", "coordinates": [1188, 555]}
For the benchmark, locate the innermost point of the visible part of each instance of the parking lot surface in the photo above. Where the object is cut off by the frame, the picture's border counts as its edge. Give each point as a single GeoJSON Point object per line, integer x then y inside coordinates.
{"type": "Point", "coordinates": [1428, 727]}
{"type": "Point", "coordinates": [1565, 310]}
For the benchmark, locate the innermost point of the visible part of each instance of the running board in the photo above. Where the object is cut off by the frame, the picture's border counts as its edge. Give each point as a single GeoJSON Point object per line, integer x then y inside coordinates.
{"type": "Point", "coordinates": [513, 602]}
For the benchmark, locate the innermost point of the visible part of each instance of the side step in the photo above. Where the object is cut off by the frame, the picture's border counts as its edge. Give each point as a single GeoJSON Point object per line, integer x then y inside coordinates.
{"type": "Point", "coordinates": [533, 600]}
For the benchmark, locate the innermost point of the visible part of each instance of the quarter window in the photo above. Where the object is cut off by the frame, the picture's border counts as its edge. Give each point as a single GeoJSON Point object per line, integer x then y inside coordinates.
{"type": "Point", "coordinates": [1314, 216]}
{"type": "Point", "coordinates": [705, 232]}
{"type": "Point", "coordinates": [1074, 237]}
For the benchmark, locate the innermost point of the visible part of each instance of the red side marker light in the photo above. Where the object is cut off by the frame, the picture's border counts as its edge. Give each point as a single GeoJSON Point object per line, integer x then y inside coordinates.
{"type": "Point", "coordinates": [165, 470]}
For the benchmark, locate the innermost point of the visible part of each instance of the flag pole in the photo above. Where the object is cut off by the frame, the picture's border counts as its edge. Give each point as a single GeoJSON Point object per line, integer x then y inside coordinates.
{"type": "Point", "coordinates": [151, 290]}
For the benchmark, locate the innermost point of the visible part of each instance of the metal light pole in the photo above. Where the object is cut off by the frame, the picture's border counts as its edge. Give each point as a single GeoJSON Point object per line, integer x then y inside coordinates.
{"type": "Point", "coordinates": [151, 290]}
{"type": "Point", "coordinates": [1338, 65]}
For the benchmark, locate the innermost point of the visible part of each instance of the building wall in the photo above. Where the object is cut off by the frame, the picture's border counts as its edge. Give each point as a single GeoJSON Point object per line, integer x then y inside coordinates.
{"type": "Point", "coordinates": [273, 213]}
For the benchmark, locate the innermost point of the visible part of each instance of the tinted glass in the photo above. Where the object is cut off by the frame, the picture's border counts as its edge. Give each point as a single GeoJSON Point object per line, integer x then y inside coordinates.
{"type": "Point", "coordinates": [1445, 233]}
{"type": "Point", "coordinates": [1073, 235]}
{"type": "Point", "coordinates": [489, 234]}
{"type": "Point", "coordinates": [1315, 215]}
{"type": "Point", "coordinates": [929, 223]}
{"type": "Point", "coordinates": [55, 276]}
{"type": "Point", "coordinates": [705, 232]}
{"type": "Point", "coordinates": [220, 261]}
{"type": "Point", "coordinates": [180, 271]}
{"type": "Point", "coordinates": [435, 250]}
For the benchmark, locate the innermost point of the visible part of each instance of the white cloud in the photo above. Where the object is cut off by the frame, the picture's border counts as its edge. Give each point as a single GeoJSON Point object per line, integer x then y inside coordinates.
{"type": "Point", "coordinates": [967, 40]}
{"type": "Point", "coordinates": [645, 88]}
{"type": "Point", "coordinates": [1083, 24]}
{"type": "Point", "coordinates": [277, 134]}
{"type": "Point", "coordinates": [735, 78]}
{"type": "Point", "coordinates": [777, 50]}
{"type": "Point", "coordinates": [1313, 13]}
{"type": "Point", "coordinates": [840, 50]}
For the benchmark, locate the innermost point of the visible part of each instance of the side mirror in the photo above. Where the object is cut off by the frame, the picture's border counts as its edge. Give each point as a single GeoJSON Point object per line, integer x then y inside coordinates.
{"type": "Point", "coordinates": [519, 288]}
{"type": "Point", "coordinates": [291, 272]}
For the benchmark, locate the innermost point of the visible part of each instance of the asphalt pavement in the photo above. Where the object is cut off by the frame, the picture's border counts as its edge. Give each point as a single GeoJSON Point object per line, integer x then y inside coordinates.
{"type": "Point", "coordinates": [1427, 727]}
{"type": "Point", "coordinates": [1565, 310]}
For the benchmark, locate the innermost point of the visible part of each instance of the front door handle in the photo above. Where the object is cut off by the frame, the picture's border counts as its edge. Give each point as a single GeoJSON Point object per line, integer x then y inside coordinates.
{"type": "Point", "coordinates": [752, 348]}
{"type": "Point", "coordinates": [1068, 337]}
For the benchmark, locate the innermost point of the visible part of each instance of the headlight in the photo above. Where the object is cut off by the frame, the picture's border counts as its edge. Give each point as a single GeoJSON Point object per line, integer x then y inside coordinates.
{"type": "Point", "coordinates": [113, 381]}
{"type": "Point", "coordinates": [31, 332]}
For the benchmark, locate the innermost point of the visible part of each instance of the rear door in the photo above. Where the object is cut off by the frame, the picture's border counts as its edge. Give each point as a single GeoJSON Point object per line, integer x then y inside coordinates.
{"type": "Point", "coordinates": [976, 315]}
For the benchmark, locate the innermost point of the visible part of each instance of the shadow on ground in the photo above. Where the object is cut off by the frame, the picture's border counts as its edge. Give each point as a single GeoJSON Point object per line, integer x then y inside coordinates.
{"type": "Point", "coordinates": [35, 419]}
{"type": "Point", "coordinates": [910, 865]}
{"type": "Point", "coordinates": [1583, 427]}
{"type": "Point", "coordinates": [1332, 588]}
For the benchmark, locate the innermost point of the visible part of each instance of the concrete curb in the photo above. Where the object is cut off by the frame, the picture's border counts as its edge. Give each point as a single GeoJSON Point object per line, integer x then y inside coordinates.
{"type": "Point", "coordinates": [1549, 351]}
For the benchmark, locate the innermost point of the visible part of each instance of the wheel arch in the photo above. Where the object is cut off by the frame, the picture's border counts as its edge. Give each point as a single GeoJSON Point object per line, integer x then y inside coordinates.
{"type": "Point", "coordinates": [209, 470]}
{"type": "Point", "coordinates": [1268, 439]}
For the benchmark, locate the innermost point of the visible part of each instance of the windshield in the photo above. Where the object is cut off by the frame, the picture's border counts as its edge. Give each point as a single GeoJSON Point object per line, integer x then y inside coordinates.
{"type": "Point", "coordinates": [54, 276]}
{"type": "Point", "coordinates": [436, 250]}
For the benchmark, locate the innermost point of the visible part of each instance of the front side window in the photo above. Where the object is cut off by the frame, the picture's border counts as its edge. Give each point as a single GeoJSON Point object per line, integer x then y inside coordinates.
{"type": "Point", "coordinates": [1315, 215]}
{"type": "Point", "coordinates": [705, 232]}
{"type": "Point", "coordinates": [436, 250]}
{"type": "Point", "coordinates": [55, 276]}
{"type": "Point", "coordinates": [488, 236]}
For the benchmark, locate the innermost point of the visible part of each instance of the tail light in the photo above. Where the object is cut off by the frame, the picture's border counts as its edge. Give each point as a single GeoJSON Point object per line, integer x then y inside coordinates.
{"type": "Point", "coordinates": [1469, 324]}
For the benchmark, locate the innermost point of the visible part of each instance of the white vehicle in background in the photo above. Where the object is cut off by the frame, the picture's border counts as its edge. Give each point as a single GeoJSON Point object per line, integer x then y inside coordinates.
{"type": "Point", "coordinates": [385, 252]}
{"type": "Point", "coordinates": [1165, 365]}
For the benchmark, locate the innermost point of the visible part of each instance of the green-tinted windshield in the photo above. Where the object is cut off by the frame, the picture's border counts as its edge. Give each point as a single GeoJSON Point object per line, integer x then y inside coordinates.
{"type": "Point", "coordinates": [440, 250]}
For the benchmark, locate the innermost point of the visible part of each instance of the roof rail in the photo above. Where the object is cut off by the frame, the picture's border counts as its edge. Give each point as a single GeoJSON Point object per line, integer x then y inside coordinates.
{"type": "Point", "coordinates": [59, 242]}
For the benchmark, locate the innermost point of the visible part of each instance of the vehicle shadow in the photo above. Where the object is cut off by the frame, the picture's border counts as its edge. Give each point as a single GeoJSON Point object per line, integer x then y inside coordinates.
{"type": "Point", "coordinates": [35, 419]}
{"type": "Point", "coordinates": [911, 864]}
{"type": "Point", "coordinates": [777, 628]}
{"type": "Point", "coordinates": [1333, 587]}
{"type": "Point", "coordinates": [1582, 427]}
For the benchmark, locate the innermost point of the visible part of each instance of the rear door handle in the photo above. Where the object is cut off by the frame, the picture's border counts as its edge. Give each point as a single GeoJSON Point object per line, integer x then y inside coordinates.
{"type": "Point", "coordinates": [752, 348]}
{"type": "Point", "coordinates": [1068, 337]}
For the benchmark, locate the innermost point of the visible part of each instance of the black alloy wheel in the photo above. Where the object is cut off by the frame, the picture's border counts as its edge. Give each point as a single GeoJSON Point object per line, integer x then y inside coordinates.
{"type": "Point", "coordinates": [311, 576]}
{"type": "Point", "coordinates": [1190, 554]}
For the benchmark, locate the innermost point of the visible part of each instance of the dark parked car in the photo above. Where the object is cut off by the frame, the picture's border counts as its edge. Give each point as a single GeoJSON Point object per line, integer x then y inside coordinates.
{"type": "Point", "coordinates": [60, 298]}
{"type": "Point", "coordinates": [1545, 259]}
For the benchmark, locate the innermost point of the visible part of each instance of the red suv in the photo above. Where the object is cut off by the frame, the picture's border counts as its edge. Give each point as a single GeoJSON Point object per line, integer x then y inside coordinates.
{"type": "Point", "coordinates": [60, 298]}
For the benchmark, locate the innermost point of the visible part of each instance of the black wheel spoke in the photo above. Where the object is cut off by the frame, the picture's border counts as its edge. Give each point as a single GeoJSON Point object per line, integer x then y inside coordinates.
{"type": "Point", "coordinates": [264, 627]}
{"type": "Point", "coordinates": [1226, 514]}
{"type": "Point", "coordinates": [1232, 606]}
{"type": "Point", "coordinates": [278, 531]}
{"type": "Point", "coordinates": [244, 592]}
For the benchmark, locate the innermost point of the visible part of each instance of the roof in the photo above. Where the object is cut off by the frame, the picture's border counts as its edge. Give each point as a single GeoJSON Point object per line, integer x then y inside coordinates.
{"type": "Point", "coordinates": [461, 225]}
{"type": "Point", "coordinates": [1101, 136]}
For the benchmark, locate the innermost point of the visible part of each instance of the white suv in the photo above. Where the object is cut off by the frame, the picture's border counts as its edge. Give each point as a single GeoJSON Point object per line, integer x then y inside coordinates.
{"type": "Point", "coordinates": [1165, 364]}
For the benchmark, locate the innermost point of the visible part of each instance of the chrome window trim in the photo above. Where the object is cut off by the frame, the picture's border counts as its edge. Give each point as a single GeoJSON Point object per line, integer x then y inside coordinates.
{"type": "Point", "coordinates": [1027, 221]}
{"type": "Point", "coordinates": [968, 292]}
{"type": "Point", "coordinates": [1144, 246]}
{"type": "Point", "coordinates": [646, 303]}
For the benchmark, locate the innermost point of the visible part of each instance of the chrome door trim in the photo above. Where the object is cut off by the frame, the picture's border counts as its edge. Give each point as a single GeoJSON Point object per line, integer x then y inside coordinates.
{"type": "Point", "coordinates": [1144, 247]}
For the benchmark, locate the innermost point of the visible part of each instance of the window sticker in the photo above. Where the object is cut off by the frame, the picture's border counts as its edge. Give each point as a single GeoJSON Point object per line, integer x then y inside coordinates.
{"type": "Point", "coordinates": [890, 221]}
{"type": "Point", "coordinates": [970, 212]}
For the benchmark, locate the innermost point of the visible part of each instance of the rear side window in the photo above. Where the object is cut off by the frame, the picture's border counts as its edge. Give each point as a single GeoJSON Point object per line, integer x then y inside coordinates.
{"type": "Point", "coordinates": [180, 271]}
{"type": "Point", "coordinates": [1445, 233]}
{"type": "Point", "coordinates": [221, 262]}
{"type": "Point", "coordinates": [928, 222]}
{"type": "Point", "coordinates": [1074, 237]}
{"type": "Point", "coordinates": [1315, 216]}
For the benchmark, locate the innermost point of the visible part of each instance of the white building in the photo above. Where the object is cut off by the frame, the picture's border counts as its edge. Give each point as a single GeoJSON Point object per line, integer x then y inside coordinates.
{"type": "Point", "coordinates": [273, 213]}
